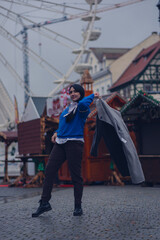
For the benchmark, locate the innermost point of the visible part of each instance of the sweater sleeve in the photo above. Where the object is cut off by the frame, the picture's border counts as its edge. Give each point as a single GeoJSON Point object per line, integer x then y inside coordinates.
{"type": "Point", "coordinates": [85, 102]}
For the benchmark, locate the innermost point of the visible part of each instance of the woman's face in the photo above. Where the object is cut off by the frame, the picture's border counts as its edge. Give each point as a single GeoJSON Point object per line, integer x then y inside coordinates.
{"type": "Point", "coordinates": [75, 96]}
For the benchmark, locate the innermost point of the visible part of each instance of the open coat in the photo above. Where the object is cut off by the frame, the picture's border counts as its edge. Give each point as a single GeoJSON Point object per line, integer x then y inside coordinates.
{"type": "Point", "coordinates": [112, 128]}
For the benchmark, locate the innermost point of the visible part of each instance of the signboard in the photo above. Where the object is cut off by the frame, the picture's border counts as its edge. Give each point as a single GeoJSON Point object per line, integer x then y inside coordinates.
{"type": "Point", "coordinates": [57, 104]}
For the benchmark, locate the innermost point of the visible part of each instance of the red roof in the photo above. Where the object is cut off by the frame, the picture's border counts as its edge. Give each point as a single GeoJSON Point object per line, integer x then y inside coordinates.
{"type": "Point", "coordinates": [109, 100]}
{"type": "Point", "coordinates": [138, 65]}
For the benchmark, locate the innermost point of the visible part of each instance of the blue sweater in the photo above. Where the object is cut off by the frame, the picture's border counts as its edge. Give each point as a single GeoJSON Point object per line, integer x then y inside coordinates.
{"type": "Point", "coordinates": [75, 128]}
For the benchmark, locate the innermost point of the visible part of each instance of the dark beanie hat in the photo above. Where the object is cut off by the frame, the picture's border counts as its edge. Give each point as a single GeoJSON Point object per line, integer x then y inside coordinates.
{"type": "Point", "coordinates": [79, 89]}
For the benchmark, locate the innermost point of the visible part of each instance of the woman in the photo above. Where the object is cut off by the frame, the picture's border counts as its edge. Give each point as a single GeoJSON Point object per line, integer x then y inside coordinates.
{"type": "Point", "coordinates": [68, 145]}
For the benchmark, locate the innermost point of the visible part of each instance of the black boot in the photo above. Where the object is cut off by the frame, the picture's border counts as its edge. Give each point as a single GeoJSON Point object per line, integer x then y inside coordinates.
{"type": "Point", "coordinates": [43, 207]}
{"type": "Point", "coordinates": [77, 210]}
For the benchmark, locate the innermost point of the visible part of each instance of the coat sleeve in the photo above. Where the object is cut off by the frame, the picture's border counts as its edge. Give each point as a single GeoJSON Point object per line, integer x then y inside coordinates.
{"type": "Point", "coordinates": [83, 106]}
{"type": "Point", "coordinates": [96, 138]}
{"type": "Point", "coordinates": [85, 102]}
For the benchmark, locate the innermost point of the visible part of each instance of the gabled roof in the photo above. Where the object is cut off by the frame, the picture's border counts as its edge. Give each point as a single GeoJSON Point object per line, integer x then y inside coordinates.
{"type": "Point", "coordinates": [86, 77]}
{"type": "Point", "coordinates": [34, 109]}
{"type": "Point", "coordinates": [115, 95]}
{"type": "Point", "coordinates": [109, 100]}
{"type": "Point", "coordinates": [140, 95]}
{"type": "Point", "coordinates": [39, 103]}
{"type": "Point", "coordinates": [138, 65]}
{"type": "Point", "coordinates": [109, 53]}
{"type": "Point", "coordinates": [119, 66]}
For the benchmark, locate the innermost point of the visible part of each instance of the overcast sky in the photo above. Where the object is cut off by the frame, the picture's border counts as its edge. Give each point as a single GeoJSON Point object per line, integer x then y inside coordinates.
{"type": "Point", "coordinates": [123, 27]}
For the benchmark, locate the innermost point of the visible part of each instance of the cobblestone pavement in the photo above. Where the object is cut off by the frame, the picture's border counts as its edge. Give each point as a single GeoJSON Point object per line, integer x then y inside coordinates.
{"type": "Point", "coordinates": [110, 213]}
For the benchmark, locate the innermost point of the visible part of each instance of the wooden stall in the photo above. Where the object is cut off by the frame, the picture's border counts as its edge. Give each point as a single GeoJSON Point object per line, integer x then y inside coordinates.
{"type": "Point", "coordinates": [142, 116]}
{"type": "Point", "coordinates": [94, 169]}
{"type": "Point", "coordinates": [7, 137]}
{"type": "Point", "coordinates": [34, 141]}
{"type": "Point", "coordinates": [34, 136]}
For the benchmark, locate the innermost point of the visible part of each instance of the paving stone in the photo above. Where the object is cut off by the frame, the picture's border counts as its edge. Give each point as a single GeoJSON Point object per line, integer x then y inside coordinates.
{"type": "Point", "coordinates": [110, 213]}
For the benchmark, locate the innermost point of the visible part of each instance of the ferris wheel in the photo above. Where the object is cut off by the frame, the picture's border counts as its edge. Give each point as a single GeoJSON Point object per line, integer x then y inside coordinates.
{"type": "Point", "coordinates": [50, 20]}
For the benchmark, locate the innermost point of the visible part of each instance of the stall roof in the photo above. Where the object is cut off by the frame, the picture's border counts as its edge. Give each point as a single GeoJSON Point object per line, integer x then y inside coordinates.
{"type": "Point", "coordinates": [40, 103]}
{"type": "Point", "coordinates": [8, 136]}
{"type": "Point", "coordinates": [141, 94]}
{"type": "Point", "coordinates": [110, 98]}
{"type": "Point", "coordinates": [34, 109]}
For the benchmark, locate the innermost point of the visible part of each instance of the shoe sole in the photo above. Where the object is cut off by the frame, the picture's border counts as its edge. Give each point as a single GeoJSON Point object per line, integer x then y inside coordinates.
{"type": "Point", "coordinates": [36, 215]}
{"type": "Point", "coordinates": [80, 214]}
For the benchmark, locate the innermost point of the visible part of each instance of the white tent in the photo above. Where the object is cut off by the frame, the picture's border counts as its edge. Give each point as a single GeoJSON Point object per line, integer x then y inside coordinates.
{"type": "Point", "coordinates": [7, 112]}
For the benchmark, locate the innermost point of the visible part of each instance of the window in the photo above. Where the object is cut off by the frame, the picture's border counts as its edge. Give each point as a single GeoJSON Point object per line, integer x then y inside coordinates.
{"type": "Point", "coordinates": [102, 90]}
{"type": "Point", "coordinates": [101, 66]}
{"type": "Point", "coordinates": [147, 87]}
{"type": "Point", "coordinates": [104, 62]}
{"type": "Point", "coordinates": [95, 68]}
{"type": "Point", "coordinates": [127, 92]}
{"type": "Point", "coordinates": [108, 86]}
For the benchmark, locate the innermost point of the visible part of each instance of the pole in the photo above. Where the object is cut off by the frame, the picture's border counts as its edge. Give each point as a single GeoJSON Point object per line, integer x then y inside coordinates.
{"type": "Point", "coordinates": [6, 178]}
{"type": "Point", "coordinates": [26, 64]}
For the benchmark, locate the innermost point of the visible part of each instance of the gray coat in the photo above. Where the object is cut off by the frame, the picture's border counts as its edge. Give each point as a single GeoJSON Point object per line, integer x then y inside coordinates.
{"type": "Point", "coordinates": [108, 116]}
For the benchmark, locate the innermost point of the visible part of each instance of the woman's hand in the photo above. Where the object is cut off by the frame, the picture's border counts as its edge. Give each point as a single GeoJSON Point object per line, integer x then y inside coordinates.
{"type": "Point", "coordinates": [96, 95]}
{"type": "Point", "coordinates": [54, 137]}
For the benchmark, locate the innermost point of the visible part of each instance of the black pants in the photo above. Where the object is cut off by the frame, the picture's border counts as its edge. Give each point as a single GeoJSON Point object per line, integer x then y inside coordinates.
{"type": "Point", "coordinates": [71, 151]}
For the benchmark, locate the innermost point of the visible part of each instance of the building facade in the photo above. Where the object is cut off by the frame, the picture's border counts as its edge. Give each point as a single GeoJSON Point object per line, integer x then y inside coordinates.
{"type": "Point", "coordinates": [142, 74]}
{"type": "Point", "coordinates": [109, 64]}
{"type": "Point", "coordinates": [100, 59]}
